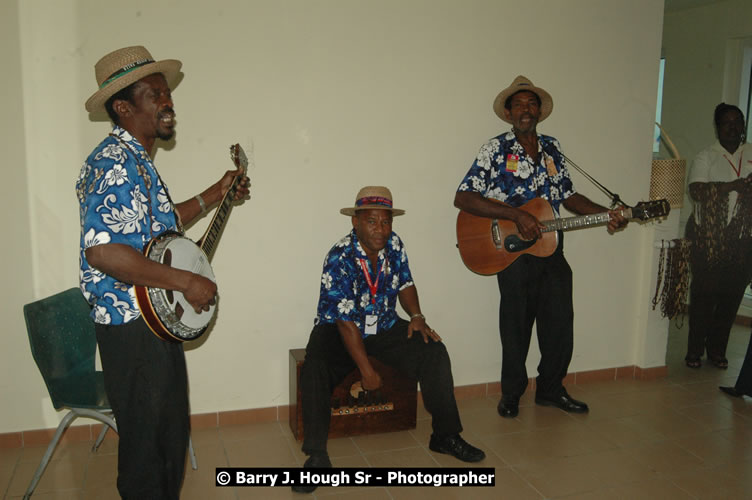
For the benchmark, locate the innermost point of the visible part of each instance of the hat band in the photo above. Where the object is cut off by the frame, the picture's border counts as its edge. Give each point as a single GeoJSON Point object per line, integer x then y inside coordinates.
{"type": "Point", "coordinates": [374, 200]}
{"type": "Point", "coordinates": [125, 70]}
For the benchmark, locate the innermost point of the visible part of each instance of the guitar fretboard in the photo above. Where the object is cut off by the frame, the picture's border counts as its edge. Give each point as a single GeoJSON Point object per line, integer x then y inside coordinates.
{"type": "Point", "coordinates": [580, 221]}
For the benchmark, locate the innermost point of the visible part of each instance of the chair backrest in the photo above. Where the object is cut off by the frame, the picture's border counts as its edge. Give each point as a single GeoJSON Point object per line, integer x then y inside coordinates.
{"type": "Point", "coordinates": [61, 334]}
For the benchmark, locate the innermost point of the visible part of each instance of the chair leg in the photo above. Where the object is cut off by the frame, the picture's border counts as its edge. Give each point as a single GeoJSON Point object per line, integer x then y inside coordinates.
{"type": "Point", "coordinates": [100, 438]}
{"type": "Point", "coordinates": [194, 464]}
{"type": "Point", "coordinates": [48, 454]}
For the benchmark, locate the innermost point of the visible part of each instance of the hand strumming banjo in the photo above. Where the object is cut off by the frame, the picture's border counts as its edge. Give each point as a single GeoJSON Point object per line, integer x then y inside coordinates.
{"type": "Point", "coordinates": [166, 312]}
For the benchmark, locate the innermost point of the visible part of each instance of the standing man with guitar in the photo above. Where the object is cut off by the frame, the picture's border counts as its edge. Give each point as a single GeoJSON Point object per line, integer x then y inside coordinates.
{"type": "Point", "coordinates": [123, 206]}
{"type": "Point", "coordinates": [511, 170]}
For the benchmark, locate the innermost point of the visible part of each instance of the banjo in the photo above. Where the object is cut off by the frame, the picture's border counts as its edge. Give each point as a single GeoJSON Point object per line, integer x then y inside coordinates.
{"type": "Point", "coordinates": [166, 312]}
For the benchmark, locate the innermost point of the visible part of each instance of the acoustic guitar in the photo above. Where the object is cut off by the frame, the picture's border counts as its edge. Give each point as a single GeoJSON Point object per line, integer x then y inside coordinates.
{"type": "Point", "coordinates": [166, 312]}
{"type": "Point", "coordinates": [488, 246]}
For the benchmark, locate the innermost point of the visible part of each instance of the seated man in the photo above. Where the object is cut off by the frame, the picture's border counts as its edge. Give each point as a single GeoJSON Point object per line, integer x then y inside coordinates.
{"type": "Point", "coordinates": [364, 275]}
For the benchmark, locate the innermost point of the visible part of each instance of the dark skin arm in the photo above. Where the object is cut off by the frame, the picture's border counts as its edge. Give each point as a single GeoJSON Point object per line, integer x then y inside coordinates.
{"type": "Point", "coordinates": [128, 265]}
{"type": "Point", "coordinates": [528, 226]}
{"type": "Point", "coordinates": [353, 341]}
{"type": "Point", "coordinates": [581, 205]}
{"type": "Point", "coordinates": [408, 298]}
{"type": "Point", "coordinates": [190, 209]}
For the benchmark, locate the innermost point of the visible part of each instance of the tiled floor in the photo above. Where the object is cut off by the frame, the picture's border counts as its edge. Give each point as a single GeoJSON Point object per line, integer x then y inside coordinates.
{"type": "Point", "coordinates": [678, 437]}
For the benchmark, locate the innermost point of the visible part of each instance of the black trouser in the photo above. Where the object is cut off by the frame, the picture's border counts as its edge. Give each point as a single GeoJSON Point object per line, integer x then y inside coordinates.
{"type": "Point", "coordinates": [744, 382]}
{"type": "Point", "coordinates": [147, 385]}
{"type": "Point", "coordinates": [714, 299]}
{"type": "Point", "coordinates": [536, 290]}
{"type": "Point", "coordinates": [327, 362]}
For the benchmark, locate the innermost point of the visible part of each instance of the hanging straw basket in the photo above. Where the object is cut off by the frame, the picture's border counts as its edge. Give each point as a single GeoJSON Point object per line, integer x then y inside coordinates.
{"type": "Point", "coordinates": [667, 176]}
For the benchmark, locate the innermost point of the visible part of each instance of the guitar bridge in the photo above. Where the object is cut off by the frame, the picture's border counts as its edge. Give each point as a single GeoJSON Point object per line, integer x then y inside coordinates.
{"type": "Point", "coordinates": [496, 234]}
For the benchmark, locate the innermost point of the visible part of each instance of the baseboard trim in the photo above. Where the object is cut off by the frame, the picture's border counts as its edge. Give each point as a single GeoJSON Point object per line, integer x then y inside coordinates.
{"type": "Point", "coordinates": [41, 437]}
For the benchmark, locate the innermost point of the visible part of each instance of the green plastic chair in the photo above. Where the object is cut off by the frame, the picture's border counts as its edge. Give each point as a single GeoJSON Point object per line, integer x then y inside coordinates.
{"type": "Point", "coordinates": [63, 344]}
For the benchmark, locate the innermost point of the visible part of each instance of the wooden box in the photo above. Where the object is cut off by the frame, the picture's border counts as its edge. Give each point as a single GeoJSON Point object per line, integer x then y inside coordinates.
{"type": "Point", "coordinates": [395, 409]}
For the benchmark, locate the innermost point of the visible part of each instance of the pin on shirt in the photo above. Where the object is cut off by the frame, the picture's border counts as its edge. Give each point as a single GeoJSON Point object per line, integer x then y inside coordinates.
{"type": "Point", "coordinates": [550, 166]}
{"type": "Point", "coordinates": [512, 160]}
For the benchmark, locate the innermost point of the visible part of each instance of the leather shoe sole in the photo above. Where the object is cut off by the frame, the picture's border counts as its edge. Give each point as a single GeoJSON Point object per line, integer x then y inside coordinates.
{"type": "Point", "coordinates": [457, 447]}
{"type": "Point", "coordinates": [563, 402]}
{"type": "Point", "coordinates": [508, 409]}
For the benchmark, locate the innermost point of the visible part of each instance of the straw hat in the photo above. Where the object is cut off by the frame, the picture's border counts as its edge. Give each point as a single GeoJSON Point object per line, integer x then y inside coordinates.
{"type": "Point", "coordinates": [120, 68]}
{"type": "Point", "coordinates": [519, 84]}
{"type": "Point", "coordinates": [372, 198]}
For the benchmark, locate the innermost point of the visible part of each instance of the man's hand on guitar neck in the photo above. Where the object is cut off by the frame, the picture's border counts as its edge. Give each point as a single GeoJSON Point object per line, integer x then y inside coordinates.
{"type": "Point", "coordinates": [616, 220]}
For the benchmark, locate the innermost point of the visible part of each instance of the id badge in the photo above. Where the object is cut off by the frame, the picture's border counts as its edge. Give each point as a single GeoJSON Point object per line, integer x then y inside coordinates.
{"type": "Point", "coordinates": [550, 166]}
{"type": "Point", "coordinates": [372, 324]}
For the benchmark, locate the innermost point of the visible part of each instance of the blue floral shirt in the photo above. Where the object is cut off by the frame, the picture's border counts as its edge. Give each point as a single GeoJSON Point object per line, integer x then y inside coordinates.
{"type": "Point", "coordinates": [504, 172]}
{"type": "Point", "coordinates": [345, 294]}
{"type": "Point", "coordinates": [122, 200]}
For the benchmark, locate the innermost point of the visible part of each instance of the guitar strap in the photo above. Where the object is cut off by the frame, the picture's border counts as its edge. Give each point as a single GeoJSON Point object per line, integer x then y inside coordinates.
{"type": "Point", "coordinates": [615, 198]}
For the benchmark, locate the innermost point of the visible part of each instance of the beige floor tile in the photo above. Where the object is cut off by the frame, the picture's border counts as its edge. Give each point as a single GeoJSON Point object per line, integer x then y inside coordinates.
{"type": "Point", "coordinates": [208, 456]}
{"type": "Point", "coordinates": [541, 417]}
{"type": "Point", "coordinates": [624, 433]}
{"type": "Point", "coordinates": [558, 477]}
{"type": "Point", "coordinates": [408, 457]}
{"type": "Point", "coordinates": [101, 472]}
{"type": "Point", "coordinates": [382, 442]}
{"type": "Point", "coordinates": [653, 489]}
{"type": "Point", "coordinates": [547, 443]}
{"type": "Point", "coordinates": [108, 492]}
{"type": "Point", "coordinates": [666, 457]}
{"type": "Point", "coordinates": [251, 431]}
{"type": "Point", "coordinates": [354, 494]}
{"type": "Point", "coordinates": [670, 423]}
{"type": "Point", "coordinates": [713, 483]}
{"type": "Point", "coordinates": [63, 451]}
{"type": "Point", "coordinates": [715, 449]}
{"type": "Point", "coordinates": [487, 422]}
{"type": "Point", "coordinates": [206, 491]}
{"type": "Point", "coordinates": [59, 475]}
{"type": "Point", "coordinates": [57, 495]}
{"type": "Point", "coordinates": [270, 451]}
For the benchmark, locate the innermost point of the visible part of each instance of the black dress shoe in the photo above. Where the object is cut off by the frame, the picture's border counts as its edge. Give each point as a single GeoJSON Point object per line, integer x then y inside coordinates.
{"type": "Point", "coordinates": [315, 461]}
{"type": "Point", "coordinates": [731, 391]}
{"type": "Point", "coordinates": [508, 408]}
{"type": "Point", "coordinates": [457, 447]}
{"type": "Point", "coordinates": [564, 401]}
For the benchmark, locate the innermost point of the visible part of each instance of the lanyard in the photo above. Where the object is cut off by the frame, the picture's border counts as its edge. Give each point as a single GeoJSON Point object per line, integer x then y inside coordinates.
{"type": "Point", "coordinates": [737, 170]}
{"type": "Point", "coordinates": [371, 285]}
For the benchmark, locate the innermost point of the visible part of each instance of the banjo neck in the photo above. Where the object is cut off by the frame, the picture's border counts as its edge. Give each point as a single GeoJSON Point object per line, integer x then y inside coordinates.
{"type": "Point", "coordinates": [208, 241]}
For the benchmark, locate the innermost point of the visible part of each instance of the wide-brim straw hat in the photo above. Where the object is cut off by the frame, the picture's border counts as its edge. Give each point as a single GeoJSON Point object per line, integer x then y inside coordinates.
{"type": "Point", "coordinates": [373, 198]}
{"type": "Point", "coordinates": [120, 68]}
{"type": "Point", "coordinates": [519, 84]}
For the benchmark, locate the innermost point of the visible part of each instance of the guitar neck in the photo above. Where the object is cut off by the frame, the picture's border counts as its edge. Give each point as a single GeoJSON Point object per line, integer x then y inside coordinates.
{"type": "Point", "coordinates": [209, 240]}
{"type": "Point", "coordinates": [581, 221]}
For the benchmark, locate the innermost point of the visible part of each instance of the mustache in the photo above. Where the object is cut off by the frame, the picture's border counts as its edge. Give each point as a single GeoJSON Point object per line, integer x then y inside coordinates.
{"type": "Point", "coordinates": [166, 111]}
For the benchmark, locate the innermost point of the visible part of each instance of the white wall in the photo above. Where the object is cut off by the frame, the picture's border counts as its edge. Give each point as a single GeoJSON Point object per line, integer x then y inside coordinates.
{"type": "Point", "coordinates": [331, 96]}
{"type": "Point", "coordinates": [21, 389]}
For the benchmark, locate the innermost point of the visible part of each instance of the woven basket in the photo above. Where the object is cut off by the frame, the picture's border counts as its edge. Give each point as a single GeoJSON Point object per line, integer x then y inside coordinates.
{"type": "Point", "coordinates": [667, 176]}
{"type": "Point", "coordinates": [667, 181]}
